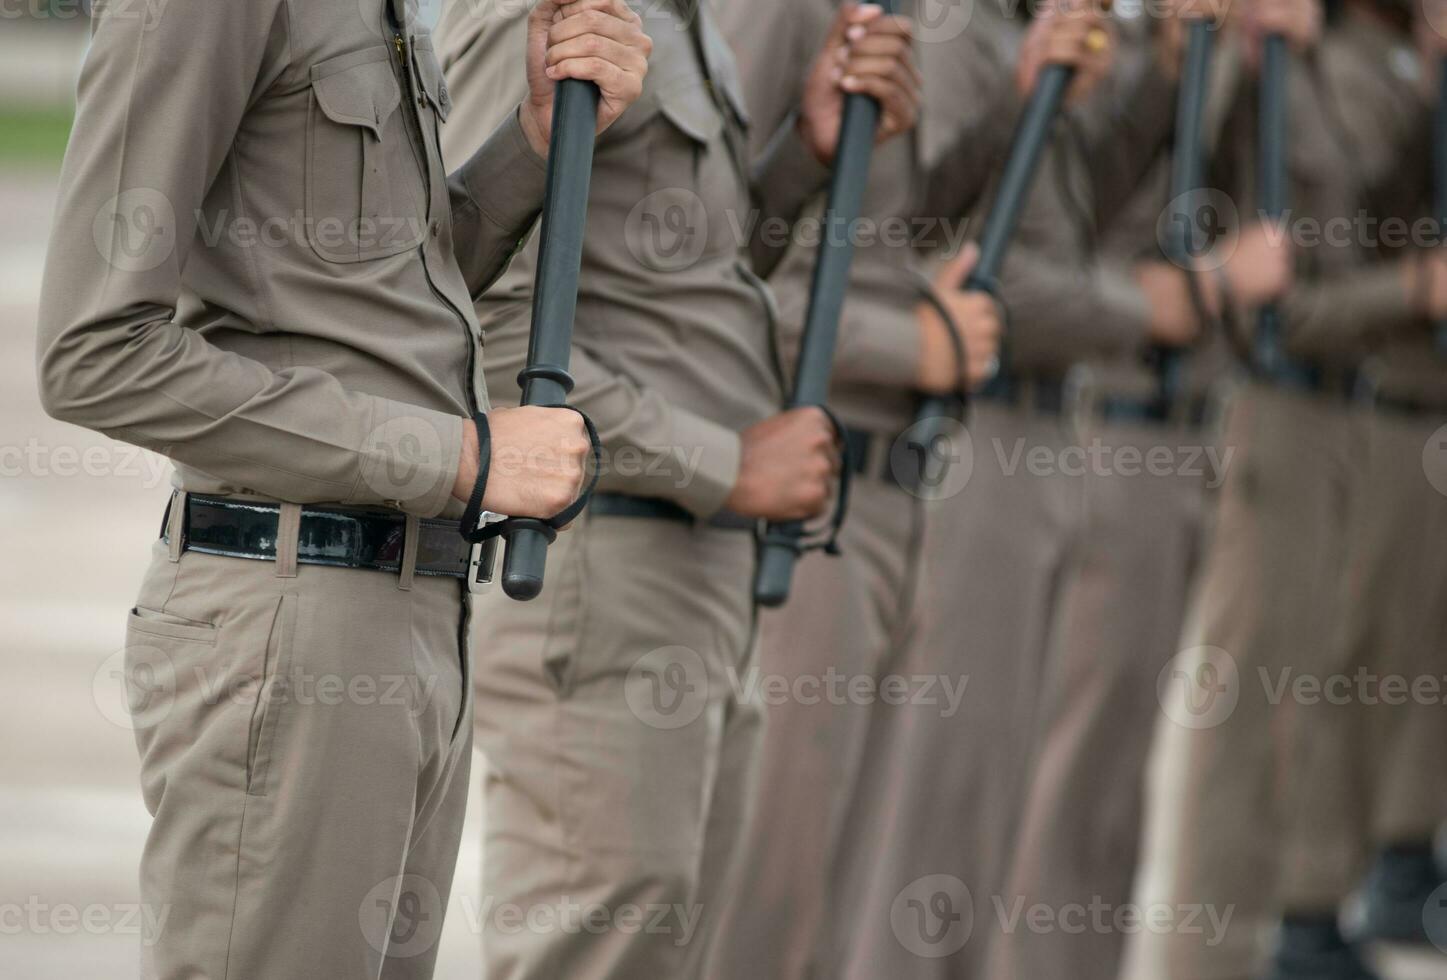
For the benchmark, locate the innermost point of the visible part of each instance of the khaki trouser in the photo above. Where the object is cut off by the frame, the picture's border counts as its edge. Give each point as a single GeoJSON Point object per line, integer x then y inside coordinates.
{"type": "Point", "coordinates": [926, 843]}
{"type": "Point", "coordinates": [618, 751]}
{"type": "Point", "coordinates": [1120, 619]}
{"type": "Point", "coordinates": [1228, 748]}
{"type": "Point", "coordinates": [305, 737]}
{"type": "Point", "coordinates": [820, 658]}
{"type": "Point", "coordinates": [1370, 749]}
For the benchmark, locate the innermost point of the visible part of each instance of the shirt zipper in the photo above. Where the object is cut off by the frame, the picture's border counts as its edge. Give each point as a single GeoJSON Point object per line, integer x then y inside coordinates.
{"type": "Point", "coordinates": [469, 380]}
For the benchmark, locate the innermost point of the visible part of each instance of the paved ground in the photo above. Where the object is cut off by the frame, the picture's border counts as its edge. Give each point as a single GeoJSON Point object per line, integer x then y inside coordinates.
{"type": "Point", "coordinates": [71, 821]}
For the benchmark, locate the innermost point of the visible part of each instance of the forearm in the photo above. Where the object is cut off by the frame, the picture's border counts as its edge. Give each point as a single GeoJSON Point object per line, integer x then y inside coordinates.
{"type": "Point", "coordinates": [496, 197]}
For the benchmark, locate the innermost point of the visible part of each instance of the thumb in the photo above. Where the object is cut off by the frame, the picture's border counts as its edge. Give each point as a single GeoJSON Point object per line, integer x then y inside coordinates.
{"type": "Point", "coordinates": [953, 273]}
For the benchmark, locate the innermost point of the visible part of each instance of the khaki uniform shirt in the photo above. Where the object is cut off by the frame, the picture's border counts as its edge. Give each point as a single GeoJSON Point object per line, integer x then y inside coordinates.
{"type": "Point", "coordinates": [1373, 77]}
{"type": "Point", "coordinates": [252, 266]}
{"type": "Point", "coordinates": [1344, 296]}
{"type": "Point", "coordinates": [674, 350]}
{"type": "Point", "coordinates": [1068, 301]}
{"type": "Point", "coordinates": [916, 201]}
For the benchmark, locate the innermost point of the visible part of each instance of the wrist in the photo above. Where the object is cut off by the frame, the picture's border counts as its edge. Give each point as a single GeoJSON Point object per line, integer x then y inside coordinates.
{"type": "Point", "coordinates": [529, 117]}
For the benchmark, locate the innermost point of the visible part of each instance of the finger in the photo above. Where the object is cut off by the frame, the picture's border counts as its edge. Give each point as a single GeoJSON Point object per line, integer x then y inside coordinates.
{"type": "Point", "coordinates": [894, 99]}
{"type": "Point", "coordinates": [884, 45]}
{"type": "Point", "coordinates": [953, 273]}
{"type": "Point", "coordinates": [594, 22]}
{"type": "Point", "coordinates": [613, 81]}
{"type": "Point", "coordinates": [592, 46]}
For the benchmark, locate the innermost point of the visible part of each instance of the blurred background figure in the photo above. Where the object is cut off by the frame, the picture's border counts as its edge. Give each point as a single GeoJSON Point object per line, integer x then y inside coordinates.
{"type": "Point", "coordinates": [1269, 797]}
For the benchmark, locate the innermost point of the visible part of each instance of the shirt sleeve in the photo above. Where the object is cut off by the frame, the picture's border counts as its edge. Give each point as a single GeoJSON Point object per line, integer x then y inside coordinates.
{"type": "Point", "coordinates": [497, 196]}
{"type": "Point", "coordinates": [161, 100]}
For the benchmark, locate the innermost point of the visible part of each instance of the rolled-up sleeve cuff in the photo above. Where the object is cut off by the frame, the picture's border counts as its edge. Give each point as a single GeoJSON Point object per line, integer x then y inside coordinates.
{"type": "Point", "coordinates": [710, 454]}
{"type": "Point", "coordinates": [408, 459]}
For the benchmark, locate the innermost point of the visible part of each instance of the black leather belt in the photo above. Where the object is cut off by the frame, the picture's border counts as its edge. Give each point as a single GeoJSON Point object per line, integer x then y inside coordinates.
{"type": "Point", "coordinates": [1046, 397]}
{"type": "Point", "coordinates": [1342, 383]}
{"type": "Point", "coordinates": [653, 508]}
{"type": "Point", "coordinates": [864, 461]}
{"type": "Point", "coordinates": [339, 537]}
{"type": "Point", "coordinates": [1153, 411]}
{"type": "Point", "coordinates": [1410, 406]}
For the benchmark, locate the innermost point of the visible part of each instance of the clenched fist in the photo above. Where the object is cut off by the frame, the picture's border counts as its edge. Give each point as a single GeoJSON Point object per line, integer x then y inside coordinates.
{"type": "Point", "coordinates": [539, 460]}
{"type": "Point", "coordinates": [1074, 33]}
{"type": "Point", "coordinates": [788, 467]}
{"type": "Point", "coordinates": [865, 52]}
{"type": "Point", "coordinates": [976, 325]}
{"type": "Point", "coordinates": [600, 41]}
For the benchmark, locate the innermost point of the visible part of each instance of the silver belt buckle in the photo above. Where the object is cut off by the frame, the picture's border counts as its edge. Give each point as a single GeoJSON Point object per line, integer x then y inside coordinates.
{"type": "Point", "coordinates": [482, 558]}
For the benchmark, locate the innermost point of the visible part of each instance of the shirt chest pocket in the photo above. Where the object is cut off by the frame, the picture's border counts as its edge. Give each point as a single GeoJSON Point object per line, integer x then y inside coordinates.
{"type": "Point", "coordinates": [365, 196]}
{"type": "Point", "coordinates": [693, 179]}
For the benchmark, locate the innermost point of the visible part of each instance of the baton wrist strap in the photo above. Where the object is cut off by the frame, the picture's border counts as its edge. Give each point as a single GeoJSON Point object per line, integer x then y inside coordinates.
{"type": "Point", "coordinates": [548, 527]}
{"type": "Point", "coordinates": [829, 542]}
{"type": "Point", "coordinates": [472, 516]}
{"type": "Point", "coordinates": [957, 338]}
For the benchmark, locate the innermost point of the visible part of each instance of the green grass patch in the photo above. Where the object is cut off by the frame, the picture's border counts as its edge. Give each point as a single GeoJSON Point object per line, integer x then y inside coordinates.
{"type": "Point", "coordinates": [34, 136]}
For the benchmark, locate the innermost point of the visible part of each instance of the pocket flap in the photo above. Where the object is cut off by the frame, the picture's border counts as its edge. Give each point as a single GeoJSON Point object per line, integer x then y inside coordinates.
{"type": "Point", "coordinates": [358, 89]}
{"type": "Point", "coordinates": [692, 111]}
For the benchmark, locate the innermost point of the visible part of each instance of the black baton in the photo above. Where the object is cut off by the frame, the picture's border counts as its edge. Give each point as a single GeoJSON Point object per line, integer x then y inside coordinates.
{"type": "Point", "coordinates": [1439, 177]}
{"type": "Point", "coordinates": [1268, 358]}
{"type": "Point", "coordinates": [1187, 161]}
{"type": "Point", "coordinates": [545, 379]}
{"type": "Point", "coordinates": [1026, 148]}
{"type": "Point", "coordinates": [781, 548]}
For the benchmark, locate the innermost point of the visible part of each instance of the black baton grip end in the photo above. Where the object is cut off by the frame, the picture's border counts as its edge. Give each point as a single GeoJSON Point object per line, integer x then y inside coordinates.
{"type": "Point", "coordinates": [522, 569]}
{"type": "Point", "coordinates": [775, 576]}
